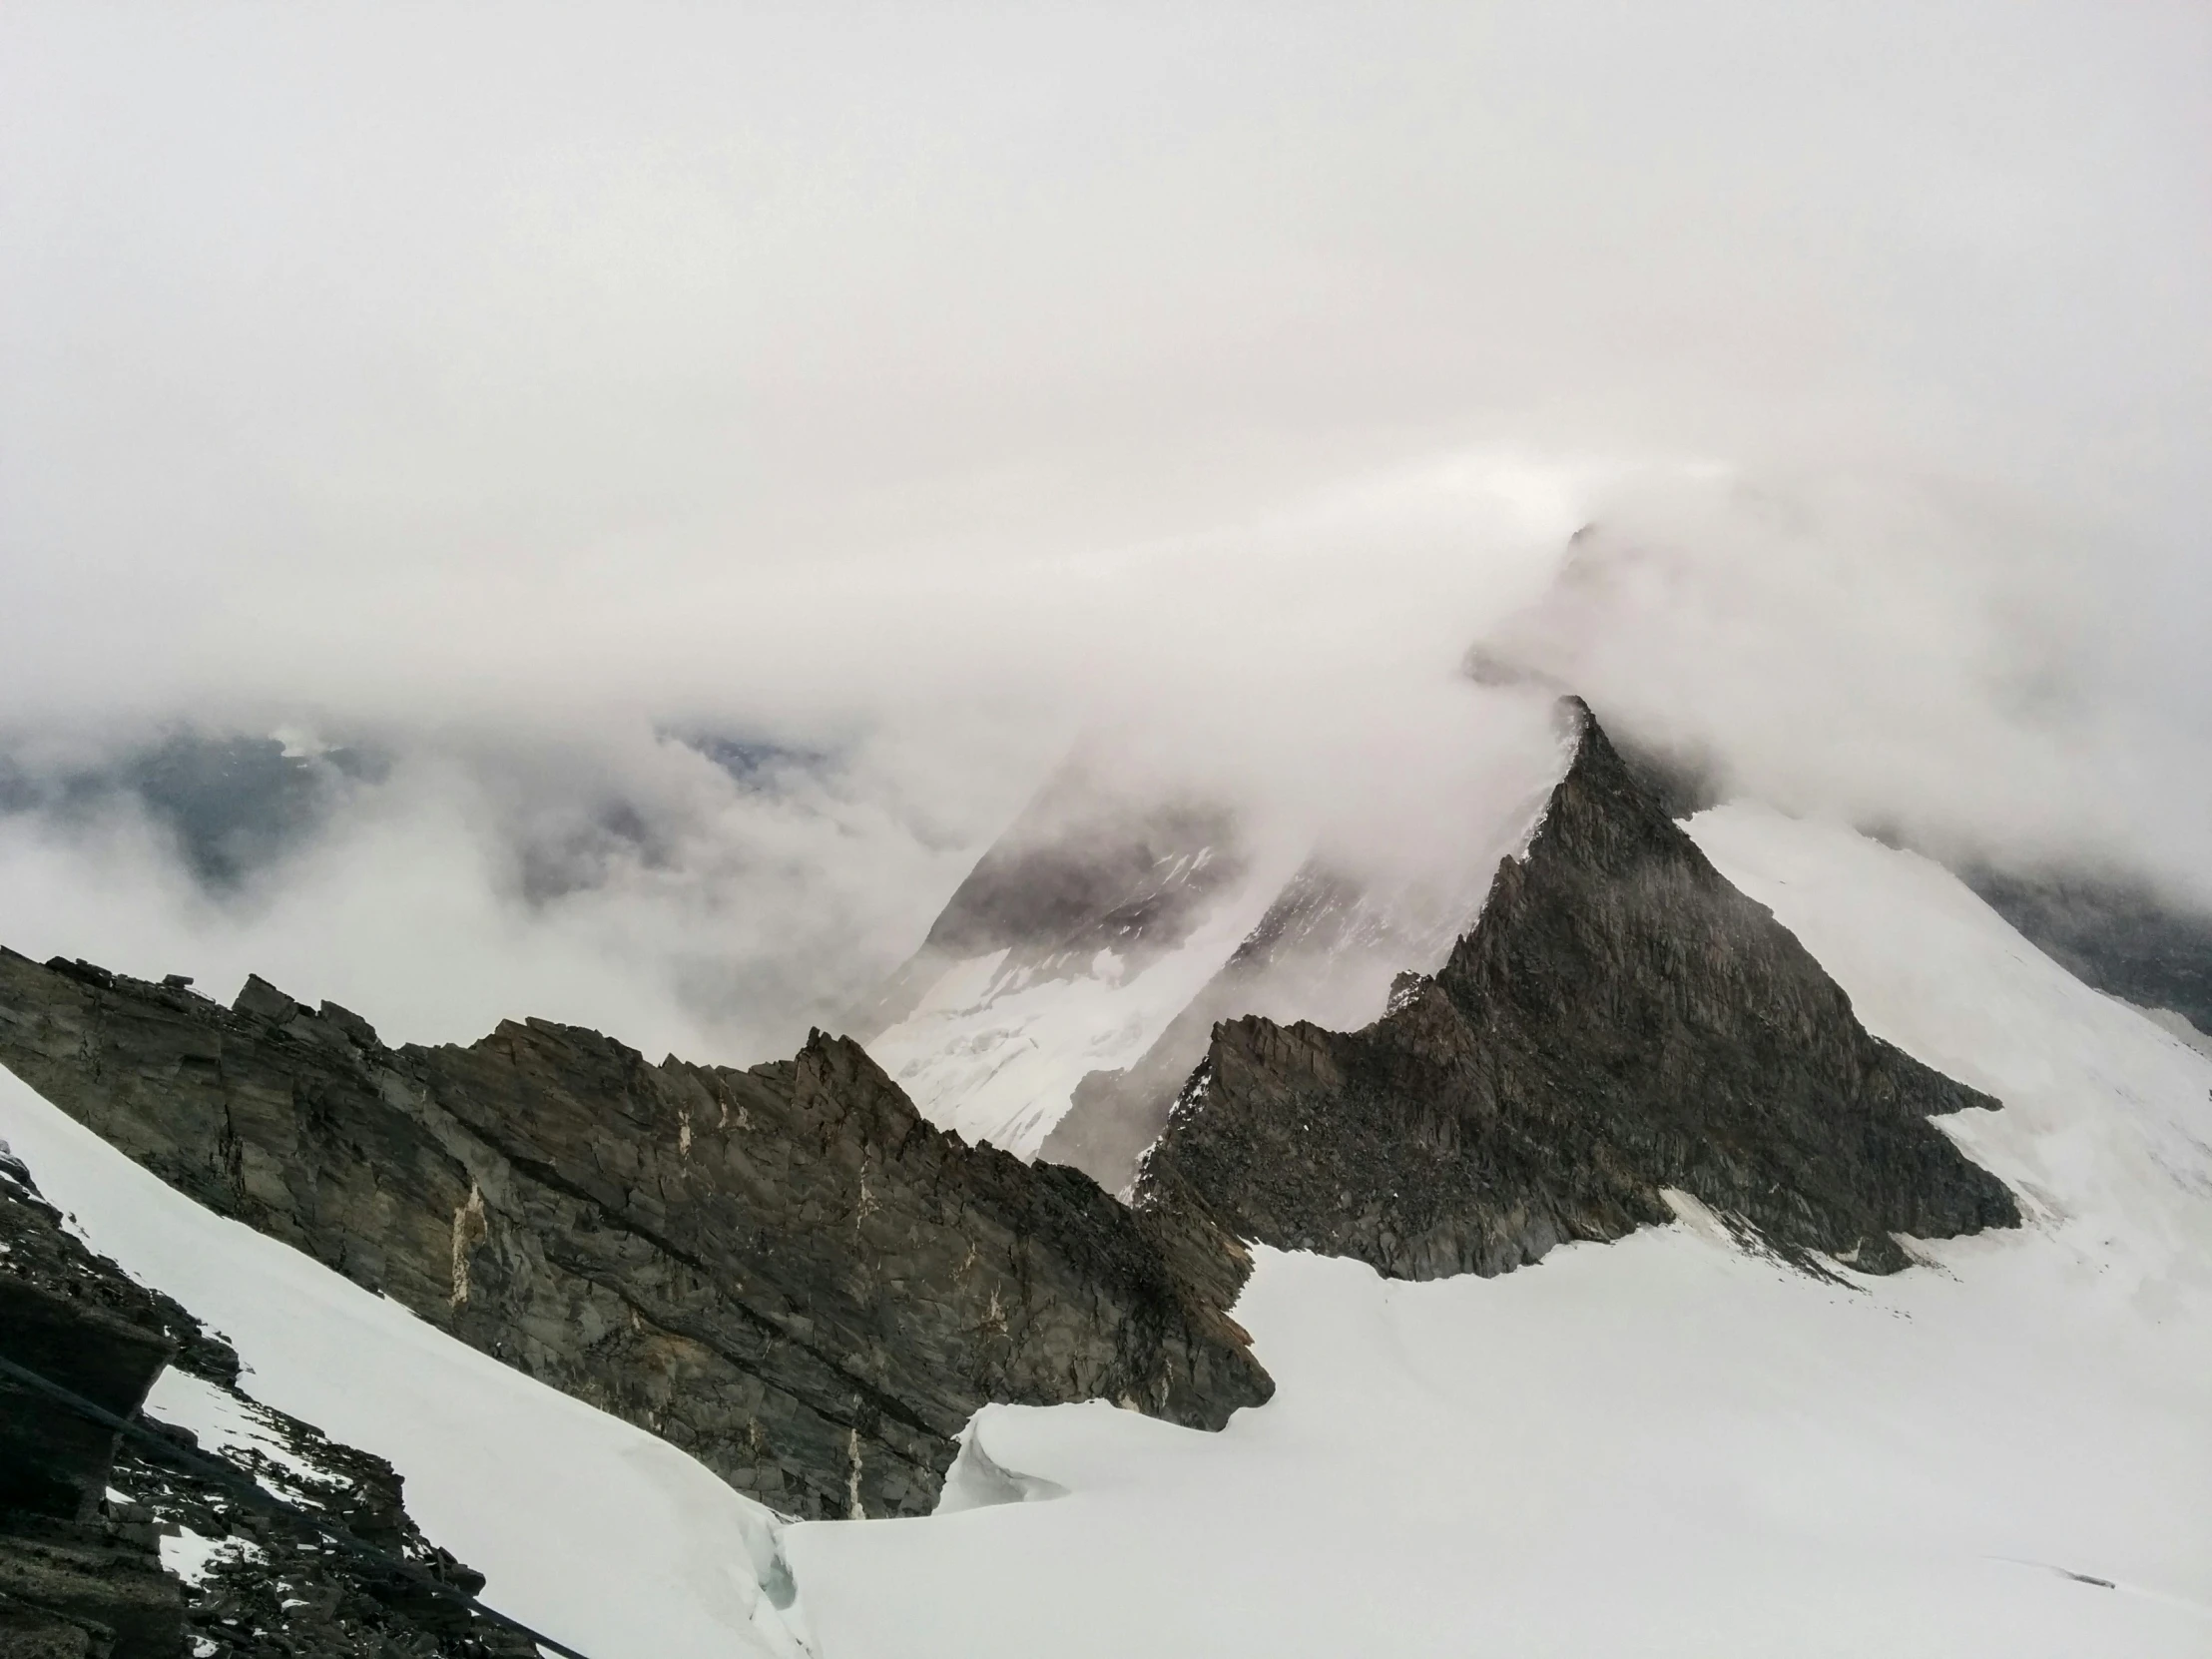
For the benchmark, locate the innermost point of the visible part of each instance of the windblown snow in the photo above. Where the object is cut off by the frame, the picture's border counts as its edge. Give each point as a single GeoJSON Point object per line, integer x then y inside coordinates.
{"type": "Point", "coordinates": [1662, 1446]}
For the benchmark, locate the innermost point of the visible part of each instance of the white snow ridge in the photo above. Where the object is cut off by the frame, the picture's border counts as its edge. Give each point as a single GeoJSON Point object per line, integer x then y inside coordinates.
{"type": "Point", "coordinates": [1661, 1446]}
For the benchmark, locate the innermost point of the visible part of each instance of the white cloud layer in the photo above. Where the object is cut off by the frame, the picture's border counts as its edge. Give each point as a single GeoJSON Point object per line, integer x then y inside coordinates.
{"type": "Point", "coordinates": [919, 385]}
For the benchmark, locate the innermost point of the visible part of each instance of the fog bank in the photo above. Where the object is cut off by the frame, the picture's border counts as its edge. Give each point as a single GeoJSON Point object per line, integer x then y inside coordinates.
{"type": "Point", "coordinates": [545, 401]}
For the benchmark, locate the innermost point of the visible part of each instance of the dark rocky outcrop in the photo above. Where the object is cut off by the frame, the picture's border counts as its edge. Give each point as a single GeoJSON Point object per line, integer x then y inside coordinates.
{"type": "Point", "coordinates": [71, 1581]}
{"type": "Point", "coordinates": [783, 1271]}
{"type": "Point", "coordinates": [1114, 1115]}
{"type": "Point", "coordinates": [81, 1514]}
{"type": "Point", "coordinates": [1621, 1020]}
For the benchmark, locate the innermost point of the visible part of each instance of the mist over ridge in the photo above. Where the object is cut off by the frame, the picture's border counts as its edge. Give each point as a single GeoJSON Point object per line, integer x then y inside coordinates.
{"type": "Point", "coordinates": [718, 468]}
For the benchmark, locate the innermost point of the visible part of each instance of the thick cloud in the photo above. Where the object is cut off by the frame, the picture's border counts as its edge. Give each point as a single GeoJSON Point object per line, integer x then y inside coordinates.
{"type": "Point", "coordinates": [516, 393]}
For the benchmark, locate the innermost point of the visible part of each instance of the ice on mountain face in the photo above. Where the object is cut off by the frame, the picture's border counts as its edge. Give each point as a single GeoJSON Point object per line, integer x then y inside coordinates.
{"type": "Point", "coordinates": [1666, 1446]}
{"type": "Point", "coordinates": [589, 1529]}
{"type": "Point", "coordinates": [1078, 935]}
{"type": "Point", "coordinates": [1042, 1042]}
{"type": "Point", "coordinates": [997, 1043]}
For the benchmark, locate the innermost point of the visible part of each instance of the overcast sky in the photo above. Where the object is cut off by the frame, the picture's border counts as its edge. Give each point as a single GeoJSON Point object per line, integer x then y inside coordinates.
{"type": "Point", "coordinates": [936, 381]}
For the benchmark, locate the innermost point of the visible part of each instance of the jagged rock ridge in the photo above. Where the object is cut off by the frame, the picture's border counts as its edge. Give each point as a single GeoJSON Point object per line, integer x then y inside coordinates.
{"type": "Point", "coordinates": [81, 1517]}
{"type": "Point", "coordinates": [1325, 949]}
{"type": "Point", "coordinates": [783, 1271]}
{"type": "Point", "coordinates": [1620, 1021]}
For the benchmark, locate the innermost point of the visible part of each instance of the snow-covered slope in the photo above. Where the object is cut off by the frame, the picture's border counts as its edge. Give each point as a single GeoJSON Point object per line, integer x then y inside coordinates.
{"type": "Point", "coordinates": [996, 1042]}
{"type": "Point", "coordinates": [1664, 1445]}
{"type": "Point", "coordinates": [585, 1528]}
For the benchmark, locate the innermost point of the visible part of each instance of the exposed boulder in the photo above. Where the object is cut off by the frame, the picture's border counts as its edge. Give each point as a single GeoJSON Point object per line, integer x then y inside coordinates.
{"type": "Point", "coordinates": [1620, 1021]}
{"type": "Point", "coordinates": [783, 1271]}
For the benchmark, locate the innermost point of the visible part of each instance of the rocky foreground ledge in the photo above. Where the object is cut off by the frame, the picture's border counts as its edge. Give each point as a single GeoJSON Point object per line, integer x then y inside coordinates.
{"type": "Point", "coordinates": [82, 1510]}
{"type": "Point", "coordinates": [1620, 1021]}
{"type": "Point", "coordinates": [783, 1271]}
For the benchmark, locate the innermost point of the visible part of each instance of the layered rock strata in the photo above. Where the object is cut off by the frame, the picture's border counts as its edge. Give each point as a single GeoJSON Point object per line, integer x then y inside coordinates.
{"type": "Point", "coordinates": [1620, 1021]}
{"type": "Point", "coordinates": [784, 1270]}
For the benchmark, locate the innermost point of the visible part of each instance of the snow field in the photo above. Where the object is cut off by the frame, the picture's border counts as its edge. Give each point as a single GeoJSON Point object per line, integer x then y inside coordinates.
{"type": "Point", "coordinates": [1665, 1446]}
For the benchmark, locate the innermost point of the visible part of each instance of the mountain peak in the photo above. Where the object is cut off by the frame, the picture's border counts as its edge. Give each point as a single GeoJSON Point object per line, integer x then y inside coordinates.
{"type": "Point", "coordinates": [1619, 1022]}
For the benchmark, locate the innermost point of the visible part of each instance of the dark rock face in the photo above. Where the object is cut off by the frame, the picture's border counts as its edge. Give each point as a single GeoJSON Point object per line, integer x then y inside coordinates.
{"type": "Point", "coordinates": [81, 1517]}
{"type": "Point", "coordinates": [1114, 1115]}
{"type": "Point", "coordinates": [1620, 1020]}
{"type": "Point", "coordinates": [2118, 935]}
{"type": "Point", "coordinates": [783, 1271]}
{"type": "Point", "coordinates": [69, 1582]}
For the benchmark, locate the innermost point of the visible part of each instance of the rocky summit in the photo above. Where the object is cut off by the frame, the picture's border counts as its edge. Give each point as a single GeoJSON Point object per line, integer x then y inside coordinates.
{"type": "Point", "coordinates": [1621, 1021]}
{"type": "Point", "coordinates": [784, 1270]}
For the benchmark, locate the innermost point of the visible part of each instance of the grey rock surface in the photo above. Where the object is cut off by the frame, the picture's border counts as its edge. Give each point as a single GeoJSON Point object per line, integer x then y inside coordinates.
{"type": "Point", "coordinates": [1621, 1020]}
{"type": "Point", "coordinates": [783, 1271]}
{"type": "Point", "coordinates": [1321, 937]}
{"type": "Point", "coordinates": [81, 1514]}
